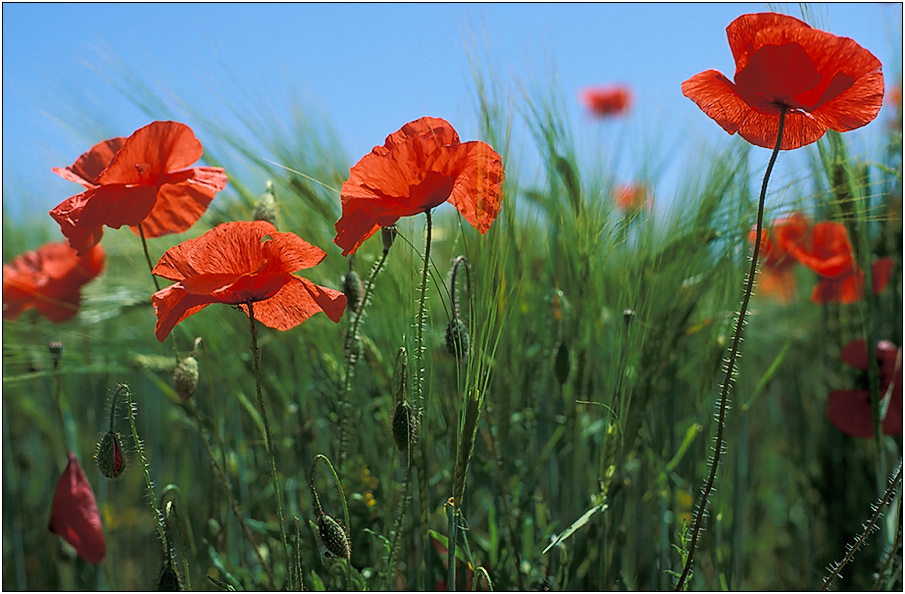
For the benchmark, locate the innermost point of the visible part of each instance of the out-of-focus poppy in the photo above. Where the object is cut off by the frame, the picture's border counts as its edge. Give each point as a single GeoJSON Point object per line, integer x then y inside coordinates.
{"type": "Point", "coordinates": [633, 197]}
{"type": "Point", "coordinates": [74, 514]}
{"type": "Point", "coordinates": [240, 263]}
{"type": "Point", "coordinates": [822, 81]}
{"type": "Point", "coordinates": [419, 167]}
{"type": "Point", "coordinates": [606, 101]}
{"type": "Point", "coordinates": [143, 179]}
{"type": "Point", "coordinates": [777, 277]}
{"type": "Point", "coordinates": [825, 248]}
{"type": "Point", "coordinates": [849, 410]}
{"type": "Point", "coordinates": [49, 279]}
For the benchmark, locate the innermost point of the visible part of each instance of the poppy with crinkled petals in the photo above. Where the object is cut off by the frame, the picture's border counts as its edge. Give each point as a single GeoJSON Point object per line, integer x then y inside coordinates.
{"type": "Point", "coordinates": [849, 410]}
{"type": "Point", "coordinates": [49, 279]}
{"type": "Point", "coordinates": [240, 263]}
{"type": "Point", "coordinates": [419, 167]}
{"type": "Point", "coordinates": [143, 179]}
{"type": "Point", "coordinates": [606, 101]}
{"type": "Point", "coordinates": [777, 277]}
{"type": "Point", "coordinates": [822, 80]}
{"type": "Point", "coordinates": [74, 514]}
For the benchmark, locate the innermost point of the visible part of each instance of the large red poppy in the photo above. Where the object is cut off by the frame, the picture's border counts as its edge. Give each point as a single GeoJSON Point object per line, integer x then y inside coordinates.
{"type": "Point", "coordinates": [144, 179]}
{"type": "Point", "coordinates": [777, 277]}
{"type": "Point", "coordinates": [240, 263]}
{"type": "Point", "coordinates": [49, 279]}
{"type": "Point", "coordinates": [74, 514]}
{"type": "Point", "coordinates": [849, 410]}
{"type": "Point", "coordinates": [419, 167]}
{"type": "Point", "coordinates": [606, 101]}
{"type": "Point", "coordinates": [823, 81]}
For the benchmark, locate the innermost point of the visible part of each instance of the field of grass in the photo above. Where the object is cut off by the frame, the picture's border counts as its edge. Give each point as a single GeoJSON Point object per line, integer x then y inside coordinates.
{"type": "Point", "coordinates": [595, 361]}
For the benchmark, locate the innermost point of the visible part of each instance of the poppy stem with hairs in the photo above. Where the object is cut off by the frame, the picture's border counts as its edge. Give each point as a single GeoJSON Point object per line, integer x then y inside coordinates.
{"type": "Point", "coordinates": [256, 366]}
{"type": "Point", "coordinates": [730, 364]}
{"type": "Point", "coordinates": [423, 485]}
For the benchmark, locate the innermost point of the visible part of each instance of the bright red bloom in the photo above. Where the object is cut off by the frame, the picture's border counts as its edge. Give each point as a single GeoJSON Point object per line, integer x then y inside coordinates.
{"type": "Point", "coordinates": [238, 263]}
{"type": "Point", "coordinates": [824, 81]}
{"type": "Point", "coordinates": [49, 279]}
{"type": "Point", "coordinates": [849, 410]}
{"type": "Point", "coordinates": [74, 514]}
{"type": "Point", "coordinates": [777, 277]}
{"type": "Point", "coordinates": [849, 287]}
{"type": "Point", "coordinates": [143, 179]}
{"type": "Point", "coordinates": [632, 197]}
{"type": "Point", "coordinates": [419, 167]}
{"type": "Point", "coordinates": [606, 101]}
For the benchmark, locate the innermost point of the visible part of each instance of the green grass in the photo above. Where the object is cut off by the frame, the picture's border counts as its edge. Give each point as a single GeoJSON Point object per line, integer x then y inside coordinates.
{"type": "Point", "coordinates": [592, 418]}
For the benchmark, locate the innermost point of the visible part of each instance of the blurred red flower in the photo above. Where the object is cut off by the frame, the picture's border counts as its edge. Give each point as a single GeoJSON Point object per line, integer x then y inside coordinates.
{"type": "Point", "coordinates": [849, 410]}
{"type": "Point", "coordinates": [74, 514]}
{"type": "Point", "coordinates": [632, 197]}
{"type": "Point", "coordinates": [49, 279]}
{"type": "Point", "coordinates": [826, 249]}
{"type": "Point", "coordinates": [824, 81]}
{"type": "Point", "coordinates": [238, 263]}
{"type": "Point", "coordinates": [419, 167]}
{"type": "Point", "coordinates": [143, 179]}
{"type": "Point", "coordinates": [777, 277]}
{"type": "Point", "coordinates": [605, 101]}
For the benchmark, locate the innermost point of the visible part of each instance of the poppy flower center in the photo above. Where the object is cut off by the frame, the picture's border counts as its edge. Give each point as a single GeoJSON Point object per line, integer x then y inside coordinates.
{"type": "Point", "coordinates": [432, 191]}
{"type": "Point", "coordinates": [777, 76]}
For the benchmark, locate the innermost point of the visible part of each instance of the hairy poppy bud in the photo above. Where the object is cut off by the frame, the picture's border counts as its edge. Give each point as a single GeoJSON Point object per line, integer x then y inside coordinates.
{"type": "Point", "coordinates": [266, 207]}
{"type": "Point", "coordinates": [457, 339]}
{"type": "Point", "coordinates": [388, 234]}
{"type": "Point", "coordinates": [110, 459]}
{"type": "Point", "coordinates": [563, 364]}
{"type": "Point", "coordinates": [334, 536]}
{"type": "Point", "coordinates": [185, 378]}
{"type": "Point", "coordinates": [353, 290]}
{"type": "Point", "coordinates": [56, 352]}
{"type": "Point", "coordinates": [405, 425]}
{"type": "Point", "coordinates": [628, 315]}
{"type": "Point", "coordinates": [168, 580]}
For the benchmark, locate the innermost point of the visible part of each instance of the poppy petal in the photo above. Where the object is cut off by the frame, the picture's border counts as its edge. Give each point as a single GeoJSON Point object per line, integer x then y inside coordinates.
{"type": "Point", "coordinates": [151, 152]}
{"type": "Point", "coordinates": [181, 200]}
{"type": "Point", "coordinates": [297, 301]}
{"type": "Point", "coordinates": [845, 289]}
{"type": "Point", "coordinates": [849, 411]}
{"type": "Point", "coordinates": [74, 514]}
{"type": "Point", "coordinates": [89, 165]}
{"type": "Point", "coordinates": [881, 270]}
{"type": "Point", "coordinates": [855, 354]}
{"type": "Point", "coordinates": [174, 304]}
{"type": "Point", "coordinates": [477, 192]}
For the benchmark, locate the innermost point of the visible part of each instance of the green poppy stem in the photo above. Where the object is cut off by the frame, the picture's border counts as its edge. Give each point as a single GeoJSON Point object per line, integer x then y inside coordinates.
{"type": "Point", "coordinates": [256, 366]}
{"type": "Point", "coordinates": [144, 245]}
{"type": "Point", "coordinates": [423, 486]}
{"type": "Point", "coordinates": [730, 365]}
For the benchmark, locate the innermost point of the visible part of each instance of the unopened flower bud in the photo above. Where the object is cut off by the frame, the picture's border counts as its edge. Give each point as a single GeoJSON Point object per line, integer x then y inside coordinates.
{"type": "Point", "coordinates": [563, 364]}
{"type": "Point", "coordinates": [266, 207]}
{"type": "Point", "coordinates": [110, 460]}
{"type": "Point", "coordinates": [457, 339]}
{"type": "Point", "coordinates": [185, 378]}
{"type": "Point", "coordinates": [56, 352]}
{"type": "Point", "coordinates": [405, 425]}
{"type": "Point", "coordinates": [388, 234]}
{"type": "Point", "coordinates": [353, 290]}
{"type": "Point", "coordinates": [334, 536]}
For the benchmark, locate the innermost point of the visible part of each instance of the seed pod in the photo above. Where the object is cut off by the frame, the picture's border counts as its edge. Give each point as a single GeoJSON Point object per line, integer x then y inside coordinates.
{"type": "Point", "coordinates": [185, 378]}
{"type": "Point", "coordinates": [563, 364]}
{"type": "Point", "coordinates": [388, 234]}
{"type": "Point", "coordinates": [405, 425]}
{"type": "Point", "coordinates": [56, 353]}
{"type": "Point", "coordinates": [457, 339]}
{"type": "Point", "coordinates": [353, 290]}
{"type": "Point", "coordinates": [110, 460]}
{"type": "Point", "coordinates": [334, 536]}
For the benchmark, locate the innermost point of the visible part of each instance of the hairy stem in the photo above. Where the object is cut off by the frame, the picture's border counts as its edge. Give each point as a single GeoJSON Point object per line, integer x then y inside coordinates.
{"type": "Point", "coordinates": [423, 486]}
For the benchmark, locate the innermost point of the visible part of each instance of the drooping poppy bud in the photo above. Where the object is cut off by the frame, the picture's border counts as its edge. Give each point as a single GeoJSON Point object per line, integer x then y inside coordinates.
{"type": "Point", "coordinates": [457, 339]}
{"type": "Point", "coordinates": [110, 459]}
{"type": "Point", "coordinates": [563, 363]}
{"type": "Point", "coordinates": [353, 290]}
{"type": "Point", "coordinates": [334, 536]}
{"type": "Point", "coordinates": [168, 580]}
{"type": "Point", "coordinates": [388, 235]}
{"type": "Point", "coordinates": [185, 378]}
{"type": "Point", "coordinates": [405, 425]}
{"type": "Point", "coordinates": [74, 514]}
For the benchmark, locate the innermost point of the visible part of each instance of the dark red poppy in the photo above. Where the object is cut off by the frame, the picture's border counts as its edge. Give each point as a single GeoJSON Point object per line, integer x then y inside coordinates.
{"type": "Point", "coordinates": [49, 279]}
{"type": "Point", "coordinates": [141, 179]}
{"type": "Point", "coordinates": [633, 197]}
{"type": "Point", "coordinates": [606, 101]}
{"type": "Point", "coordinates": [825, 248]}
{"type": "Point", "coordinates": [777, 276]}
{"type": "Point", "coordinates": [849, 410]}
{"type": "Point", "coordinates": [74, 514]}
{"type": "Point", "coordinates": [823, 81]}
{"type": "Point", "coordinates": [419, 167]}
{"type": "Point", "coordinates": [240, 263]}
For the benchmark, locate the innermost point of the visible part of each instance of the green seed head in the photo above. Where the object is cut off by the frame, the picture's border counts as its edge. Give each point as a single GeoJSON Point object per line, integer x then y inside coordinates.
{"type": "Point", "coordinates": [185, 378]}
{"type": "Point", "coordinates": [334, 536]}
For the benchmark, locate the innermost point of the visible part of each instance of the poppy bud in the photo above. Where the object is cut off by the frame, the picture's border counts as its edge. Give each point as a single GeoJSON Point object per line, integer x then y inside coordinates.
{"type": "Point", "coordinates": [56, 352]}
{"type": "Point", "coordinates": [74, 514]}
{"type": "Point", "coordinates": [266, 207]}
{"type": "Point", "coordinates": [353, 290]}
{"type": "Point", "coordinates": [185, 378]}
{"type": "Point", "coordinates": [563, 364]}
{"type": "Point", "coordinates": [168, 580]}
{"type": "Point", "coordinates": [457, 339]}
{"type": "Point", "coordinates": [405, 425]}
{"type": "Point", "coordinates": [388, 234]}
{"type": "Point", "coordinates": [334, 536]}
{"type": "Point", "coordinates": [628, 315]}
{"type": "Point", "coordinates": [110, 460]}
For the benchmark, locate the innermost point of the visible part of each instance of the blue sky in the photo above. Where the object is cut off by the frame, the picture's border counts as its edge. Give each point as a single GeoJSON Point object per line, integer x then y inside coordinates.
{"type": "Point", "coordinates": [367, 69]}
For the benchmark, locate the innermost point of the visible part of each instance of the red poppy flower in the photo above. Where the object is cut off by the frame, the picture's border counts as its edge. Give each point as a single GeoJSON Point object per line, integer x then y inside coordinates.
{"type": "Point", "coordinates": [419, 167]}
{"type": "Point", "coordinates": [777, 277]}
{"type": "Point", "coordinates": [632, 197]}
{"type": "Point", "coordinates": [239, 263]}
{"type": "Point", "coordinates": [49, 279]}
{"type": "Point", "coordinates": [849, 287]}
{"type": "Point", "coordinates": [141, 179]}
{"type": "Point", "coordinates": [824, 81]}
{"type": "Point", "coordinates": [606, 101]}
{"type": "Point", "coordinates": [849, 410]}
{"type": "Point", "coordinates": [74, 514]}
